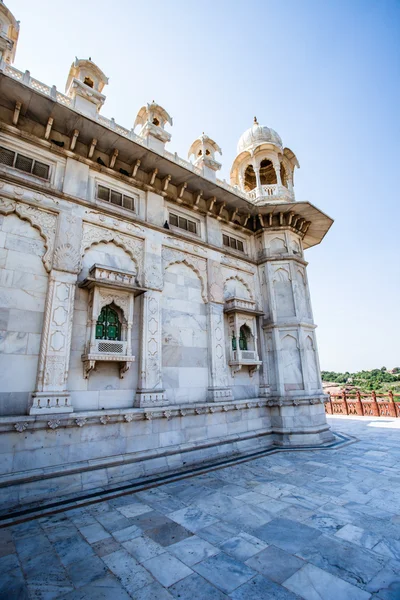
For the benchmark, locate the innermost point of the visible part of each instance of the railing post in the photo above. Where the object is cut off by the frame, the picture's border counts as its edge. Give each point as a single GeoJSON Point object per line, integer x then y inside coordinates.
{"type": "Point", "coordinates": [373, 394]}
{"type": "Point", "coordinates": [345, 402]}
{"type": "Point", "coordinates": [359, 403]}
{"type": "Point", "coordinates": [330, 402]}
{"type": "Point", "coordinates": [390, 394]}
{"type": "Point", "coordinates": [26, 78]}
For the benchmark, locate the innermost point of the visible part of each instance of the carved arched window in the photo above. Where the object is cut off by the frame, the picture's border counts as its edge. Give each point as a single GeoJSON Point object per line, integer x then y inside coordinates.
{"type": "Point", "coordinates": [108, 326]}
{"type": "Point", "coordinates": [244, 336]}
{"type": "Point", "coordinates": [250, 181]}
{"type": "Point", "coordinates": [267, 173]}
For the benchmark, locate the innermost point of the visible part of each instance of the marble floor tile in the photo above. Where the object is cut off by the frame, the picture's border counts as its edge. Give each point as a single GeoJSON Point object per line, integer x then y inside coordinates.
{"type": "Point", "coordinates": [108, 588]}
{"type": "Point", "coordinates": [84, 572]}
{"type": "Point", "coordinates": [224, 572]}
{"type": "Point", "coordinates": [94, 533]}
{"type": "Point", "coordinates": [128, 533]}
{"type": "Point", "coordinates": [276, 564]}
{"type": "Point", "coordinates": [168, 534]}
{"type": "Point", "coordinates": [219, 532]}
{"type": "Point", "coordinates": [113, 520]}
{"type": "Point", "coordinates": [154, 591]}
{"type": "Point", "coordinates": [167, 569]}
{"type": "Point", "coordinates": [242, 546]}
{"type": "Point", "coordinates": [358, 536]}
{"type": "Point", "coordinates": [106, 546]}
{"type": "Point", "coordinates": [312, 583]}
{"type": "Point", "coordinates": [196, 587]}
{"type": "Point", "coordinates": [72, 550]}
{"type": "Point", "coordinates": [287, 535]}
{"type": "Point", "coordinates": [193, 550]}
{"type": "Point", "coordinates": [388, 547]}
{"type": "Point", "coordinates": [343, 559]}
{"type": "Point", "coordinates": [133, 510]}
{"type": "Point", "coordinates": [142, 548]}
{"type": "Point", "coordinates": [193, 518]}
{"type": "Point", "coordinates": [262, 588]}
{"type": "Point", "coordinates": [131, 575]}
{"type": "Point", "coordinates": [13, 585]}
{"type": "Point", "coordinates": [386, 584]}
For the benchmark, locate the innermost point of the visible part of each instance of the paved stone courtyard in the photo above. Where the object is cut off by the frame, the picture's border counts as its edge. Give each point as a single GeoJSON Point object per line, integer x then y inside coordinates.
{"type": "Point", "coordinates": [315, 525]}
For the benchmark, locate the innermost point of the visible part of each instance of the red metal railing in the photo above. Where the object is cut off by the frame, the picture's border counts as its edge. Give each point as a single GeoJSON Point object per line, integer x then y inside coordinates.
{"type": "Point", "coordinates": [364, 405]}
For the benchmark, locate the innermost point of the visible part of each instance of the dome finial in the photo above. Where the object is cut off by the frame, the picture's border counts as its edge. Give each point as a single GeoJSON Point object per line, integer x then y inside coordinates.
{"type": "Point", "coordinates": [255, 121]}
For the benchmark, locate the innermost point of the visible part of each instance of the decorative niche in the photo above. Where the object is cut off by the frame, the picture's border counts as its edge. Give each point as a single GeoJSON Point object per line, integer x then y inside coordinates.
{"type": "Point", "coordinates": [109, 328]}
{"type": "Point", "coordinates": [242, 322]}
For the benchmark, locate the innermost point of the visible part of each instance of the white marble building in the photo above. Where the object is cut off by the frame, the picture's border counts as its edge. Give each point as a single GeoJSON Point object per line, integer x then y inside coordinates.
{"type": "Point", "coordinates": [151, 315]}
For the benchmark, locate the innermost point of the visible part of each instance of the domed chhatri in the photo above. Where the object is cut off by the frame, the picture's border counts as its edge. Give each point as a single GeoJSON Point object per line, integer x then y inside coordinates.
{"type": "Point", "coordinates": [9, 32]}
{"type": "Point", "coordinates": [258, 134]}
{"type": "Point", "coordinates": [203, 152]}
{"type": "Point", "coordinates": [263, 168]}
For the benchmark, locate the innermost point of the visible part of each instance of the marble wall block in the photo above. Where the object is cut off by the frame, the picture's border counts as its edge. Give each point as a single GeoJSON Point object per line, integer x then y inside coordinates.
{"type": "Point", "coordinates": [23, 287]}
{"type": "Point", "coordinates": [184, 336]}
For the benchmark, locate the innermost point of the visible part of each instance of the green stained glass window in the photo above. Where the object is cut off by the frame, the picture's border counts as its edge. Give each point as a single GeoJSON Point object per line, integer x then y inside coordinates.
{"type": "Point", "coordinates": [108, 326]}
{"type": "Point", "coordinates": [234, 342]}
{"type": "Point", "coordinates": [242, 339]}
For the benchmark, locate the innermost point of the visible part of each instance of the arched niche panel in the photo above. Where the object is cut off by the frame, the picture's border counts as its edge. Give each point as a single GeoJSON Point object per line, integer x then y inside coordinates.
{"type": "Point", "coordinates": [283, 293]}
{"type": "Point", "coordinates": [184, 335]}
{"type": "Point", "coordinates": [291, 363]}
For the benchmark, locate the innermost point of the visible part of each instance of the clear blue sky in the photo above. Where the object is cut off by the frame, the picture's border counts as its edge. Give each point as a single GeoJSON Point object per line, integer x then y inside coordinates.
{"type": "Point", "coordinates": [324, 74]}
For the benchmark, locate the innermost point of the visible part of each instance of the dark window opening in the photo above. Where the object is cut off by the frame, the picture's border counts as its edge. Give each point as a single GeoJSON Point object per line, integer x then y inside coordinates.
{"type": "Point", "coordinates": [267, 173]}
{"type": "Point", "coordinates": [250, 181]}
{"type": "Point", "coordinates": [89, 82]}
{"type": "Point", "coordinates": [232, 243]}
{"type": "Point", "coordinates": [114, 197]}
{"type": "Point", "coordinates": [182, 223]}
{"type": "Point", "coordinates": [24, 163]}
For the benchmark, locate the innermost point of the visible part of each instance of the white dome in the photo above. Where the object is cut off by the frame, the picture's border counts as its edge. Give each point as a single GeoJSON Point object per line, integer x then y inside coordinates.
{"type": "Point", "coordinates": [257, 135]}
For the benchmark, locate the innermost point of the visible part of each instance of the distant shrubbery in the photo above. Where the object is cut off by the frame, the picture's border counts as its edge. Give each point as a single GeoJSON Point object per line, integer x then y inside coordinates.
{"type": "Point", "coordinates": [377, 379]}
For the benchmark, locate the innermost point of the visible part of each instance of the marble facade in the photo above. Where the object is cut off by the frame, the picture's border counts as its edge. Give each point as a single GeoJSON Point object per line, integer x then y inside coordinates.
{"type": "Point", "coordinates": [216, 352]}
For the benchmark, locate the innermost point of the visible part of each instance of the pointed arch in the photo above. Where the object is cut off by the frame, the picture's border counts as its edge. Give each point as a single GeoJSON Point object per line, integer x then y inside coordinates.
{"type": "Point", "coordinates": [243, 282]}
{"type": "Point", "coordinates": [45, 222]}
{"type": "Point", "coordinates": [186, 261]}
{"type": "Point", "coordinates": [93, 235]}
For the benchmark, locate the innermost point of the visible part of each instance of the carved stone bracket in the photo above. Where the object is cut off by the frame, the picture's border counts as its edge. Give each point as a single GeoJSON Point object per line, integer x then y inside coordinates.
{"type": "Point", "coordinates": [89, 363]}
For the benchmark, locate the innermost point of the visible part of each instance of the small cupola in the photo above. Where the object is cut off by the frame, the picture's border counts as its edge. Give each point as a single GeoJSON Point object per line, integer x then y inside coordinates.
{"type": "Point", "coordinates": [85, 84]}
{"type": "Point", "coordinates": [9, 32]}
{"type": "Point", "coordinates": [152, 118]}
{"type": "Point", "coordinates": [263, 168]}
{"type": "Point", "coordinates": [203, 151]}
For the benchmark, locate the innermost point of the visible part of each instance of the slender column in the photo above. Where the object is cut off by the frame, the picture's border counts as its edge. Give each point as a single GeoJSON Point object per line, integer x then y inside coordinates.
{"type": "Point", "coordinates": [150, 390]}
{"type": "Point", "coordinates": [51, 395]}
{"type": "Point", "coordinates": [258, 180]}
{"type": "Point", "coordinates": [277, 168]}
{"type": "Point", "coordinates": [218, 389]}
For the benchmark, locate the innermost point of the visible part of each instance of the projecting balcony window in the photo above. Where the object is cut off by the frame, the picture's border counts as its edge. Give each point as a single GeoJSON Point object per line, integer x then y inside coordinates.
{"type": "Point", "coordinates": [182, 223]}
{"type": "Point", "coordinates": [114, 197]}
{"type": "Point", "coordinates": [233, 243]}
{"type": "Point", "coordinates": [24, 163]}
